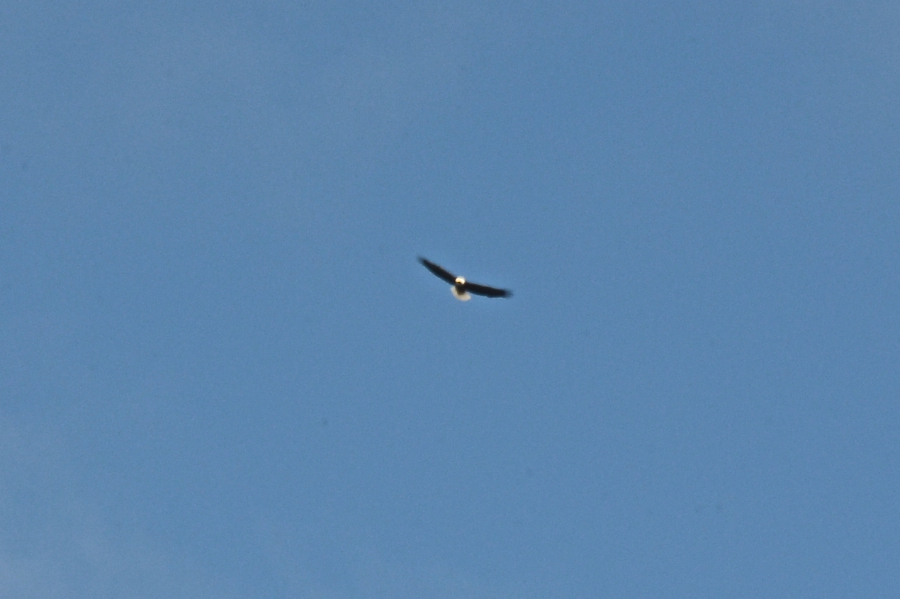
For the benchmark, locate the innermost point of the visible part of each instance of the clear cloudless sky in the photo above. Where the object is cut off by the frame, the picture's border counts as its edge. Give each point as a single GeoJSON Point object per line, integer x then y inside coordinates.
{"type": "Point", "coordinates": [223, 373]}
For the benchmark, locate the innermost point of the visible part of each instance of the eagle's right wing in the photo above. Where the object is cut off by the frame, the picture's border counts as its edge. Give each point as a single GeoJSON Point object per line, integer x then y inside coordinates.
{"type": "Point", "coordinates": [438, 271]}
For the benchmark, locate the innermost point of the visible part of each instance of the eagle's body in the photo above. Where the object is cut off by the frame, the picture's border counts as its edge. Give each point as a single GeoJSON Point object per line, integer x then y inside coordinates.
{"type": "Point", "coordinates": [461, 288]}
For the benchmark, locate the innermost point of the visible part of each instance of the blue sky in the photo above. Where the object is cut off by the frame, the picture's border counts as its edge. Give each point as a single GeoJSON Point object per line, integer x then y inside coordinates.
{"type": "Point", "coordinates": [224, 374]}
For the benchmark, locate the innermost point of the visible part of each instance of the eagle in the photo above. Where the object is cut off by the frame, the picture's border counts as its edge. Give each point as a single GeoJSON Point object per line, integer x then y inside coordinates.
{"type": "Point", "coordinates": [461, 287]}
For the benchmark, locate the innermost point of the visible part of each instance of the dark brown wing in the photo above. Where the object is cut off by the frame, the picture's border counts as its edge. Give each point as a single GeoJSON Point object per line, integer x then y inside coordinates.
{"type": "Point", "coordinates": [438, 271]}
{"type": "Point", "coordinates": [486, 291]}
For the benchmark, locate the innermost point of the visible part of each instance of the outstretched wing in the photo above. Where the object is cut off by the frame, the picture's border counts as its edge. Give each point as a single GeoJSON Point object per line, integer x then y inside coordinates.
{"type": "Point", "coordinates": [438, 271]}
{"type": "Point", "coordinates": [486, 291]}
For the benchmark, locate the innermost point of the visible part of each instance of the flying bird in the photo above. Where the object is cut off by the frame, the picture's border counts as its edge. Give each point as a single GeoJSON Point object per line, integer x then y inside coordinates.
{"type": "Point", "coordinates": [461, 287]}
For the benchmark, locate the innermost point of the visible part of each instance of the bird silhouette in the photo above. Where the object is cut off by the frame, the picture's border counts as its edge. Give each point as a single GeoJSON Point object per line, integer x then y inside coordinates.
{"type": "Point", "coordinates": [461, 287]}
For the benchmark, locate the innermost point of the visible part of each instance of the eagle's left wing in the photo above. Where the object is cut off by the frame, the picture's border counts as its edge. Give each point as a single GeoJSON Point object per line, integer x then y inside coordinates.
{"type": "Point", "coordinates": [486, 291]}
